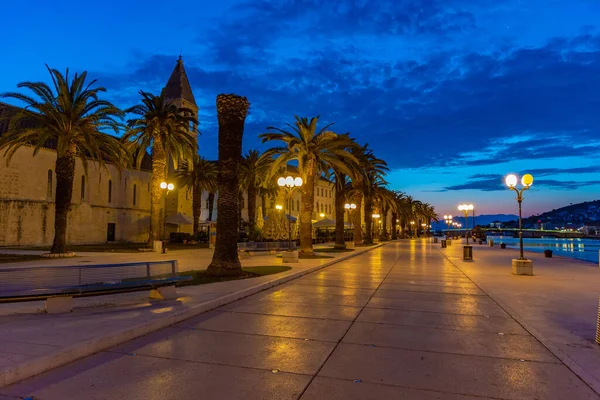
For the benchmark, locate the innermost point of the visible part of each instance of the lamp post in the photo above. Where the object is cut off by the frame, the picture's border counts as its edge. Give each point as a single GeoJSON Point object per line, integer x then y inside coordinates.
{"type": "Point", "coordinates": [376, 217]}
{"type": "Point", "coordinates": [412, 227]}
{"type": "Point", "coordinates": [289, 183]}
{"type": "Point", "coordinates": [465, 208]}
{"type": "Point", "coordinates": [448, 219]}
{"type": "Point", "coordinates": [424, 226]}
{"type": "Point", "coordinates": [522, 266]}
{"type": "Point", "coordinates": [168, 187]}
{"type": "Point", "coordinates": [350, 207]}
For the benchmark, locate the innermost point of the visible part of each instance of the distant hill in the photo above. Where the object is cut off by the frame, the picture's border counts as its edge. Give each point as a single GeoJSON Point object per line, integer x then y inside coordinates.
{"type": "Point", "coordinates": [483, 220]}
{"type": "Point", "coordinates": [576, 214]}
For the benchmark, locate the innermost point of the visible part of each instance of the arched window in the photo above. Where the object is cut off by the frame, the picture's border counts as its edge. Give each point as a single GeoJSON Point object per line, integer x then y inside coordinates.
{"type": "Point", "coordinates": [82, 187]}
{"type": "Point", "coordinates": [109, 191]}
{"type": "Point", "coordinates": [134, 194]}
{"type": "Point", "coordinates": [49, 188]}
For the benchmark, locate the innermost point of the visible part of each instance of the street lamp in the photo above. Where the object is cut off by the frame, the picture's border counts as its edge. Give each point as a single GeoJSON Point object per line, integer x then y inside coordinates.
{"type": "Point", "coordinates": [424, 226]}
{"type": "Point", "coordinates": [412, 224]}
{"type": "Point", "coordinates": [522, 266]}
{"type": "Point", "coordinates": [322, 215]}
{"type": "Point", "coordinates": [465, 208]}
{"type": "Point", "coordinates": [448, 219]}
{"type": "Point", "coordinates": [376, 216]}
{"type": "Point", "coordinates": [168, 187]}
{"type": "Point", "coordinates": [289, 183]}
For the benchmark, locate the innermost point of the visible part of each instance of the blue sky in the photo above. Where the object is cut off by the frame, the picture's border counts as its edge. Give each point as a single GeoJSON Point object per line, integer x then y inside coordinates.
{"type": "Point", "coordinates": [453, 94]}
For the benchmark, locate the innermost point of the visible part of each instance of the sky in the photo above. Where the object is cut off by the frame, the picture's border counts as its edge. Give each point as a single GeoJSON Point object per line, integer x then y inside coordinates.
{"type": "Point", "coordinates": [453, 94]}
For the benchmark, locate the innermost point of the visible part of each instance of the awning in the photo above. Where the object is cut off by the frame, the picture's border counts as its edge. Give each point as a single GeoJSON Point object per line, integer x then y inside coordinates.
{"type": "Point", "coordinates": [324, 223]}
{"type": "Point", "coordinates": [180, 219]}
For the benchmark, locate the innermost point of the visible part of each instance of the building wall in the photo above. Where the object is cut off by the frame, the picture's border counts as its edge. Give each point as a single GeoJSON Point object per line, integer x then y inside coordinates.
{"type": "Point", "coordinates": [27, 195]}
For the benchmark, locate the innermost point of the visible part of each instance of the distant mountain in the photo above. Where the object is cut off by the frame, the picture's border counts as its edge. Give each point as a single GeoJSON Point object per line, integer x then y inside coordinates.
{"type": "Point", "coordinates": [483, 220]}
{"type": "Point", "coordinates": [573, 214]}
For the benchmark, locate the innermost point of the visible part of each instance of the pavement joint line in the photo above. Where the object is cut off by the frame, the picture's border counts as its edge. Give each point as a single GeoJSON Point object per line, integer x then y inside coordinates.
{"type": "Point", "coordinates": [470, 297]}
{"type": "Point", "coordinates": [437, 312]}
{"type": "Point", "coordinates": [343, 336]}
{"type": "Point", "coordinates": [581, 373]}
{"type": "Point", "coordinates": [425, 291]}
{"type": "Point", "coordinates": [65, 355]}
{"type": "Point", "coordinates": [291, 316]}
{"type": "Point", "coordinates": [415, 388]}
{"type": "Point", "coordinates": [202, 362]}
{"type": "Point", "coordinates": [453, 354]}
{"type": "Point", "coordinates": [256, 334]}
{"type": "Point", "coordinates": [445, 328]}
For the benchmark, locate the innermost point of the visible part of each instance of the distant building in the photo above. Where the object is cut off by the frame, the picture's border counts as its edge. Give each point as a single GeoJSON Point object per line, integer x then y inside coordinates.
{"type": "Point", "coordinates": [592, 228]}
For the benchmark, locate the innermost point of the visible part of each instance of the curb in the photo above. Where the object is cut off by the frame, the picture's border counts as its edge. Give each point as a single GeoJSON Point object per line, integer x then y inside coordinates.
{"type": "Point", "coordinates": [581, 373]}
{"type": "Point", "coordinates": [89, 347]}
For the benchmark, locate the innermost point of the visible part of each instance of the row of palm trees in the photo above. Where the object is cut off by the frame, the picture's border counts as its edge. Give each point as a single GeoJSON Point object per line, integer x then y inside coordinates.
{"type": "Point", "coordinates": [70, 116]}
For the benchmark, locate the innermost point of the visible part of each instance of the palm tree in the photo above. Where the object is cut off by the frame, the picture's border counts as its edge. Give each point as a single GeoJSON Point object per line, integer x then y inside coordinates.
{"type": "Point", "coordinates": [386, 201]}
{"type": "Point", "coordinates": [372, 172]}
{"type": "Point", "coordinates": [200, 177]}
{"type": "Point", "coordinates": [165, 128]}
{"type": "Point", "coordinates": [342, 186]}
{"type": "Point", "coordinates": [67, 116]}
{"type": "Point", "coordinates": [316, 151]}
{"type": "Point", "coordinates": [252, 174]}
{"type": "Point", "coordinates": [398, 196]}
{"type": "Point", "coordinates": [231, 111]}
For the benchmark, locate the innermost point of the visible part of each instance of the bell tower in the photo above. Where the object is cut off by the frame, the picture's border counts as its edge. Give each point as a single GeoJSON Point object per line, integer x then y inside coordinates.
{"type": "Point", "coordinates": [179, 92]}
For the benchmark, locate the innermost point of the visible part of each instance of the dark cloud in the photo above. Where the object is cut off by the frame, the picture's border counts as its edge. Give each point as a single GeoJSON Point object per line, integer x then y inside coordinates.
{"type": "Point", "coordinates": [349, 62]}
{"type": "Point", "coordinates": [493, 182]}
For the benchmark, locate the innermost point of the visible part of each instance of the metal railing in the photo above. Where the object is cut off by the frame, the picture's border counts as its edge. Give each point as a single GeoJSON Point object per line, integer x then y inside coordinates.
{"type": "Point", "coordinates": [31, 281]}
{"type": "Point", "coordinates": [264, 246]}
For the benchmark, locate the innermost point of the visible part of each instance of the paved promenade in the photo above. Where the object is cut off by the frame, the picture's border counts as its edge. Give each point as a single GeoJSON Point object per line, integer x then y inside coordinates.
{"type": "Point", "coordinates": [401, 321]}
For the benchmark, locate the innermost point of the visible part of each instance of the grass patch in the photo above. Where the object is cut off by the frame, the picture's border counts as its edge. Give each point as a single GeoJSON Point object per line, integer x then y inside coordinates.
{"type": "Point", "coordinates": [200, 277]}
{"type": "Point", "coordinates": [366, 245]}
{"type": "Point", "coordinates": [12, 258]}
{"type": "Point", "coordinates": [333, 250]}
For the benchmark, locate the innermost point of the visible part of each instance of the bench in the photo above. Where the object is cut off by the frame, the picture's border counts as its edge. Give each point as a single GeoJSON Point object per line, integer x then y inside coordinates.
{"type": "Point", "coordinates": [59, 285]}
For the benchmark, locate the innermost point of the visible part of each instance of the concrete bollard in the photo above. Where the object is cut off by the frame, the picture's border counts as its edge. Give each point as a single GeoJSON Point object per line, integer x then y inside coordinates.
{"type": "Point", "coordinates": [443, 243]}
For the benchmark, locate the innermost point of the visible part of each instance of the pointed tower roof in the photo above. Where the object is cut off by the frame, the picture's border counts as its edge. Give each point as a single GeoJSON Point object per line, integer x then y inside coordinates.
{"type": "Point", "coordinates": [178, 86]}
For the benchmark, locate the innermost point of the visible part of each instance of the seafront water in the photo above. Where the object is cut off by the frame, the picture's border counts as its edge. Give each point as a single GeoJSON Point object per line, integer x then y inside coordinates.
{"type": "Point", "coordinates": [582, 249]}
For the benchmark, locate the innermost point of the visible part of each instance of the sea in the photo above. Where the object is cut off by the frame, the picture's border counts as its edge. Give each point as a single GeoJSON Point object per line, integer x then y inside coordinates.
{"type": "Point", "coordinates": [582, 249]}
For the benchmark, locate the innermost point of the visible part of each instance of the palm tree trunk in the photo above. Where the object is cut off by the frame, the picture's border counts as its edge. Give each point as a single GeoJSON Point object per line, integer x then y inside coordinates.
{"type": "Point", "coordinates": [251, 208]}
{"type": "Point", "coordinates": [306, 208]}
{"type": "Point", "coordinates": [394, 218]}
{"type": "Point", "coordinates": [368, 237]}
{"type": "Point", "coordinates": [159, 168]}
{"type": "Point", "coordinates": [340, 198]}
{"type": "Point", "coordinates": [196, 207]}
{"type": "Point", "coordinates": [357, 219]}
{"type": "Point", "coordinates": [231, 111]}
{"type": "Point", "coordinates": [384, 227]}
{"type": "Point", "coordinates": [65, 174]}
{"type": "Point", "coordinates": [239, 209]}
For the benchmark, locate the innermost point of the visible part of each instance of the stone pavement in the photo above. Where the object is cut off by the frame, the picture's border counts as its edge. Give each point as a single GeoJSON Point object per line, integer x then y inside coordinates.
{"type": "Point", "coordinates": [401, 321]}
{"type": "Point", "coordinates": [32, 341]}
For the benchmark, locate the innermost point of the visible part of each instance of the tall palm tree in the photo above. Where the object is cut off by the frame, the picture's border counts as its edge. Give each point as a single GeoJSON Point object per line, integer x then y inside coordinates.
{"type": "Point", "coordinates": [165, 128]}
{"type": "Point", "coordinates": [316, 151]}
{"type": "Point", "coordinates": [68, 116]}
{"type": "Point", "coordinates": [342, 186]}
{"type": "Point", "coordinates": [198, 176]}
{"type": "Point", "coordinates": [372, 173]}
{"type": "Point", "coordinates": [231, 111]}
{"type": "Point", "coordinates": [252, 176]}
{"type": "Point", "coordinates": [386, 201]}
{"type": "Point", "coordinates": [398, 196]}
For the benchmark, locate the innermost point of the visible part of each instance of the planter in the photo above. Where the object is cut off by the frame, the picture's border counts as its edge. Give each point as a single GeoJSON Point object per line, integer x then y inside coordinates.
{"type": "Point", "coordinates": [522, 267]}
{"type": "Point", "coordinates": [290, 256]}
{"type": "Point", "coordinates": [548, 253]}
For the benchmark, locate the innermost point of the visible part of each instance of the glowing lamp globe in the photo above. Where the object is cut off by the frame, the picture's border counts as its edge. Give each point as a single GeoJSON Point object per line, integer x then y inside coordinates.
{"type": "Point", "coordinates": [281, 181]}
{"type": "Point", "coordinates": [289, 181]}
{"type": "Point", "coordinates": [170, 186]}
{"type": "Point", "coordinates": [298, 181]}
{"type": "Point", "coordinates": [511, 181]}
{"type": "Point", "coordinates": [527, 180]}
{"type": "Point", "coordinates": [163, 185]}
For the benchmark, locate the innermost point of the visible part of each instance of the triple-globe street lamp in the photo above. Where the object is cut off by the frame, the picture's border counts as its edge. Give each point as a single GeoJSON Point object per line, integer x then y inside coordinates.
{"type": "Point", "coordinates": [465, 208]}
{"type": "Point", "coordinates": [376, 216]}
{"type": "Point", "coordinates": [289, 183]}
{"type": "Point", "coordinates": [448, 220]}
{"type": "Point", "coordinates": [350, 207]}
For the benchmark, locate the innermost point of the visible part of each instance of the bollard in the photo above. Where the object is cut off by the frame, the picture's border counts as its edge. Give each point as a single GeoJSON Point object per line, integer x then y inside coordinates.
{"type": "Point", "coordinates": [467, 253]}
{"type": "Point", "coordinates": [443, 243]}
{"type": "Point", "coordinates": [548, 253]}
{"type": "Point", "coordinates": [502, 245]}
{"type": "Point", "coordinates": [434, 240]}
{"type": "Point", "coordinates": [491, 242]}
{"type": "Point", "coordinates": [481, 242]}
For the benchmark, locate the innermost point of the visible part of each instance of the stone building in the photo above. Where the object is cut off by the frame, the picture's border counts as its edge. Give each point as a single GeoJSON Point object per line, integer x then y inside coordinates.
{"type": "Point", "coordinates": [107, 204]}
